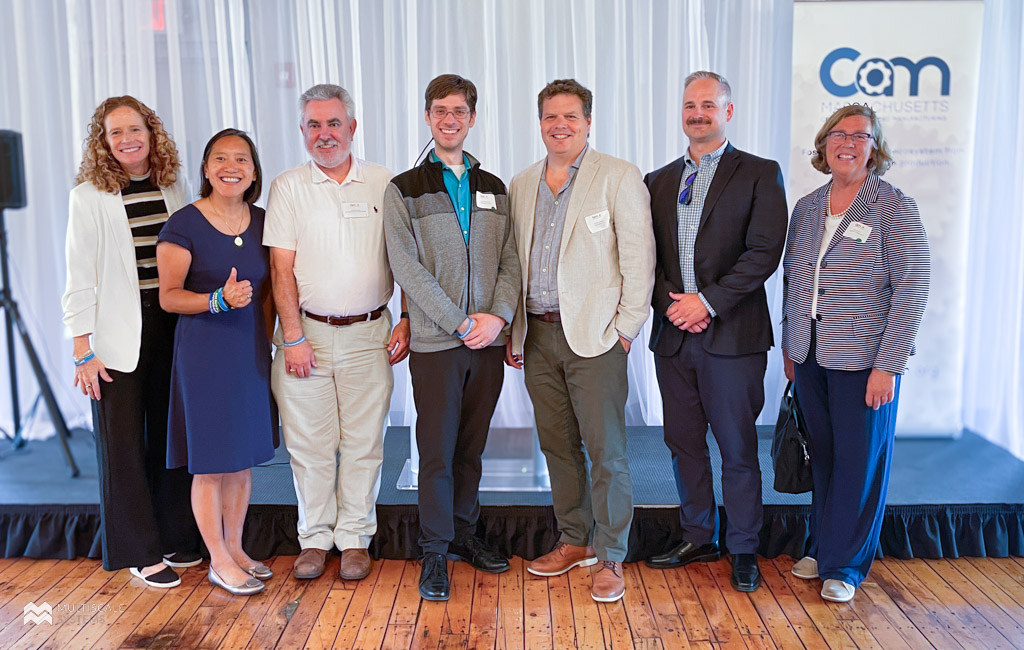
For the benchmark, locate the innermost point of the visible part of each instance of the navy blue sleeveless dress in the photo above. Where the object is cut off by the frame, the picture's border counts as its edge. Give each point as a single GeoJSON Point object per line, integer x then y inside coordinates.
{"type": "Point", "coordinates": [221, 417]}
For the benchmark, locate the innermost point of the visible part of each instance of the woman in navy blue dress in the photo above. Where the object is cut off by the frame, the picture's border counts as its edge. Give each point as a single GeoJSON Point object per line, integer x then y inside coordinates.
{"type": "Point", "coordinates": [214, 271]}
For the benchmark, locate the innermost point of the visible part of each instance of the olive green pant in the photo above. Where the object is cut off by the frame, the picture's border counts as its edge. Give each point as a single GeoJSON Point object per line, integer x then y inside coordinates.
{"type": "Point", "coordinates": [579, 404]}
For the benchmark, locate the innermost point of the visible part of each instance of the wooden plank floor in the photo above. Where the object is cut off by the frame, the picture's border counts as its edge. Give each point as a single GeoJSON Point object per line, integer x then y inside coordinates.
{"type": "Point", "coordinates": [962, 603]}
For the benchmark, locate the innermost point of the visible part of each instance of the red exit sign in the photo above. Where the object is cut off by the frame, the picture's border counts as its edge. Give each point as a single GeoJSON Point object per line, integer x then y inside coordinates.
{"type": "Point", "coordinates": [158, 15]}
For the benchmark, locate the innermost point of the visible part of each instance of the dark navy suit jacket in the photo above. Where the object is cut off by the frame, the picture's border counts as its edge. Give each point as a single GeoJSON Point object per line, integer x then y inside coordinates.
{"type": "Point", "coordinates": [739, 244]}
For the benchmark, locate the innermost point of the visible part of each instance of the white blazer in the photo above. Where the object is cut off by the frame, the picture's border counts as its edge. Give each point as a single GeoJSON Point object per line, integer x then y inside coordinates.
{"type": "Point", "coordinates": [101, 296]}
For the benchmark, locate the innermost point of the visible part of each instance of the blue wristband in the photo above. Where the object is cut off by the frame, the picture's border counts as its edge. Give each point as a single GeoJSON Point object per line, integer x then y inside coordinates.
{"type": "Point", "coordinates": [468, 330]}
{"type": "Point", "coordinates": [86, 359]}
{"type": "Point", "coordinates": [223, 304]}
{"type": "Point", "coordinates": [301, 339]}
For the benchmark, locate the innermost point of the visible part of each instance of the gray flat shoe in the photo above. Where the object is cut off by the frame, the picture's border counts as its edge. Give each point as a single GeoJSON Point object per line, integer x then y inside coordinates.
{"type": "Point", "coordinates": [249, 587]}
{"type": "Point", "coordinates": [260, 571]}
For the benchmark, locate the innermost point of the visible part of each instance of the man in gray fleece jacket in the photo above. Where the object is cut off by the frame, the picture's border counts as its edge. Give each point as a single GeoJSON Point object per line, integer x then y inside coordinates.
{"type": "Point", "coordinates": [452, 250]}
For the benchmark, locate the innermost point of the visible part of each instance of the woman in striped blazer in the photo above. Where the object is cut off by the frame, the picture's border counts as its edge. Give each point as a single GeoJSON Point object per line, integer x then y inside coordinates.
{"type": "Point", "coordinates": [855, 282]}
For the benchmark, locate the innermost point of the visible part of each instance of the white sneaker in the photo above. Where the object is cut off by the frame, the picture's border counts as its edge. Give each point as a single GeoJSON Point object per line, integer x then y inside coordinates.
{"type": "Point", "coordinates": [807, 568]}
{"type": "Point", "coordinates": [838, 591]}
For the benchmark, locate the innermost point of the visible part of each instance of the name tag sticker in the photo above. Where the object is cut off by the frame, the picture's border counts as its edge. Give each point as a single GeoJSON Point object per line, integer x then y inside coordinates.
{"type": "Point", "coordinates": [600, 221]}
{"type": "Point", "coordinates": [354, 210]}
{"type": "Point", "coordinates": [858, 232]}
{"type": "Point", "coordinates": [486, 201]}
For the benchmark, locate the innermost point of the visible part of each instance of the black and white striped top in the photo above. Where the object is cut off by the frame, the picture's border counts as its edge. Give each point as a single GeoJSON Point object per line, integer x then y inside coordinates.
{"type": "Point", "coordinates": [871, 294]}
{"type": "Point", "coordinates": [147, 214]}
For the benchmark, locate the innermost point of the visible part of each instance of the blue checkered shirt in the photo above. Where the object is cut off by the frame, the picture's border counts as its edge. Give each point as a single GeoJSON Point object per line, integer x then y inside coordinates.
{"type": "Point", "coordinates": [689, 215]}
{"type": "Point", "coordinates": [548, 223]}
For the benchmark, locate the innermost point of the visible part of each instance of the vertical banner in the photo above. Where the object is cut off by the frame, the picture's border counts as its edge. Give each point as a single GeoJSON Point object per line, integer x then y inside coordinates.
{"type": "Point", "coordinates": [916, 64]}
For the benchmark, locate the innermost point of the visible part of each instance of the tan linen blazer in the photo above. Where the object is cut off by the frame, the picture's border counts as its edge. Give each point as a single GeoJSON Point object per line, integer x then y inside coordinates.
{"type": "Point", "coordinates": [606, 258]}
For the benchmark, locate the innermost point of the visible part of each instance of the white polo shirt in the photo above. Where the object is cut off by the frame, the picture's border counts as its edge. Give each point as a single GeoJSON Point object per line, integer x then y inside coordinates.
{"type": "Point", "coordinates": [337, 233]}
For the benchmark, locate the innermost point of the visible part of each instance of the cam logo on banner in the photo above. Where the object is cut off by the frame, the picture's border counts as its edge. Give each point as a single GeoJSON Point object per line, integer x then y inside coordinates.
{"type": "Point", "coordinates": [923, 83]}
{"type": "Point", "coordinates": [875, 77]}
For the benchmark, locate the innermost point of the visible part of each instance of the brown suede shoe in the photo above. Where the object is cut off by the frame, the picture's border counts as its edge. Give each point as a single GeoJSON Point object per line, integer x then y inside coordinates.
{"type": "Point", "coordinates": [608, 583]}
{"type": "Point", "coordinates": [355, 564]}
{"type": "Point", "coordinates": [561, 559]}
{"type": "Point", "coordinates": [310, 563]}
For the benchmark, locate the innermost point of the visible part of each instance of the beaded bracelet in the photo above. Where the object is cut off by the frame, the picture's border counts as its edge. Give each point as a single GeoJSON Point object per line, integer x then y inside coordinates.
{"type": "Point", "coordinates": [301, 339]}
{"type": "Point", "coordinates": [89, 356]}
{"type": "Point", "coordinates": [468, 330]}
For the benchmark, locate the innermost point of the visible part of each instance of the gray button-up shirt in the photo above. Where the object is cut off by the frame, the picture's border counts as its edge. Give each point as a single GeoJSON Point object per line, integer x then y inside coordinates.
{"type": "Point", "coordinates": [689, 215]}
{"type": "Point", "coordinates": [548, 222]}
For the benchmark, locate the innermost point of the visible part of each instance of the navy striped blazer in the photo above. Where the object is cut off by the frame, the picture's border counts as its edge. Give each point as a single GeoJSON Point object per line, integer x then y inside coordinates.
{"type": "Point", "coordinates": [871, 294]}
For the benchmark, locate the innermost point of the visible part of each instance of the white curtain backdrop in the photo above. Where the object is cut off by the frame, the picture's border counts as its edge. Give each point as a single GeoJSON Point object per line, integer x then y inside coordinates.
{"type": "Point", "coordinates": [994, 373]}
{"type": "Point", "coordinates": [208, 64]}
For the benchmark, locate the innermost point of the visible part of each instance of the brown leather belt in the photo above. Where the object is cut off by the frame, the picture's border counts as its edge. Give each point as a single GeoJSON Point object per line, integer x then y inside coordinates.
{"type": "Point", "coordinates": [547, 317]}
{"type": "Point", "coordinates": [341, 321]}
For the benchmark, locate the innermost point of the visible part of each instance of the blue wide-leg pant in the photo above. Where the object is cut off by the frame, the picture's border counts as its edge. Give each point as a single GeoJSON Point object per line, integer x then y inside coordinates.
{"type": "Point", "coordinates": [851, 453]}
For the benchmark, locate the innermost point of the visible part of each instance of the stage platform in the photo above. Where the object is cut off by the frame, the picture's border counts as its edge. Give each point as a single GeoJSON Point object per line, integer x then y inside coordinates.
{"type": "Point", "coordinates": [947, 498]}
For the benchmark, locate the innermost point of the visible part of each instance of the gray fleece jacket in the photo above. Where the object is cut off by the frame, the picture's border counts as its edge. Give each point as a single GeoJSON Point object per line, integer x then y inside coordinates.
{"type": "Point", "coordinates": [444, 278]}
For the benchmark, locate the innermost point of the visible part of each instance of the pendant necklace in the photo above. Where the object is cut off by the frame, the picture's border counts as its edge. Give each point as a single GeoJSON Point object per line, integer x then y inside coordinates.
{"type": "Point", "coordinates": [238, 235]}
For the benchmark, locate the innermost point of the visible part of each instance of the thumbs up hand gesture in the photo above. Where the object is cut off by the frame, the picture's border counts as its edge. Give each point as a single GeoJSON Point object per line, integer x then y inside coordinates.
{"type": "Point", "coordinates": [237, 294]}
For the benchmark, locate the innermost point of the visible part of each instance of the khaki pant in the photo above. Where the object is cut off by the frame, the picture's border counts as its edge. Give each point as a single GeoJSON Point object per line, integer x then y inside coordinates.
{"type": "Point", "coordinates": [579, 404]}
{"type": "Point", "coordinates": [333, 426]}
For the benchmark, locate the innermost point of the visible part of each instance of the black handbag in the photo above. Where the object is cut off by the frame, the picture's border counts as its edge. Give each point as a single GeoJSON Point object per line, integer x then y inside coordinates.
{"type": "Point", "coordinates": [790, 454]}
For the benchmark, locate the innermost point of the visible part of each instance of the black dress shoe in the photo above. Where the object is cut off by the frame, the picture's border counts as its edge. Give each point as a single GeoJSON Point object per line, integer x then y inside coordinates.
{"type": "Point", "coordinates": [745, 574]}
{"type": "Point", "coordinates": [683, 554]}
{"type": "Point", "coordinates": [434, 577]}
{"type": "Point", "coordinates": [472, 549]}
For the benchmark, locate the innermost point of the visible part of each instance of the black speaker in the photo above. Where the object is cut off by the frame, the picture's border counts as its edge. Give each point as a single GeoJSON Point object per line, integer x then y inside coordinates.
{"type": "Point", "coordinates": [12, 171]}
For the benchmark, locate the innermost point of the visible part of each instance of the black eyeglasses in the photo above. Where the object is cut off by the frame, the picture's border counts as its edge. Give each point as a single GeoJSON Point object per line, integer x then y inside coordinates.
{"type": "Point", "coordinates": [687, 194]}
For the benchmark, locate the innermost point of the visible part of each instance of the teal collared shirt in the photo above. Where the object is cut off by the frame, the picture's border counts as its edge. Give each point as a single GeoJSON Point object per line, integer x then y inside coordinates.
{"type": "Point", "coordinates": [458, 191]}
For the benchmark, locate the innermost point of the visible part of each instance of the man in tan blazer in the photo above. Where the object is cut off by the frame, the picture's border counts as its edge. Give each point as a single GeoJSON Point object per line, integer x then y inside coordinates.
{"type": "Point", "coordinates": [583, 227]}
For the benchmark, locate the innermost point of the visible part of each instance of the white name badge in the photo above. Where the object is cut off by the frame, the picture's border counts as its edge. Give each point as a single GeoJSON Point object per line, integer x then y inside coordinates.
{"type": "Point", "coordinates": [486, 201]}
{"type": "Point", "coordinates": [600, 221]}
{"type": "Point", "coordinates": [858, 232]}
{"type": "Point", "coordinates": [354, 210]}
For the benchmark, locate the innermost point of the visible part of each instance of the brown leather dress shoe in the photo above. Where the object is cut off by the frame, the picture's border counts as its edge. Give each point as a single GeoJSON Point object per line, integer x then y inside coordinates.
{"type": "Point", "coordinates": [561, 559]}
{"type": "Point", "coordinates": [608, 583]}
{"type": "Point", "coordinates": [310, 563]}
{"type": "Point", "coordinates": [355, 564]}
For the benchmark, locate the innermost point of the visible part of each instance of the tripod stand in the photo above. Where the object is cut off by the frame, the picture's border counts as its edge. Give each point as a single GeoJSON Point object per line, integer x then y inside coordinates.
{"type": "Point", "coordinates": [12, 318]}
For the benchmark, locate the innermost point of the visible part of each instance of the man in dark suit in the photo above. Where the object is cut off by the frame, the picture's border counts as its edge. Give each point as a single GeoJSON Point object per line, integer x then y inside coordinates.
{"type": "Point", "coordinates": [720, 225]}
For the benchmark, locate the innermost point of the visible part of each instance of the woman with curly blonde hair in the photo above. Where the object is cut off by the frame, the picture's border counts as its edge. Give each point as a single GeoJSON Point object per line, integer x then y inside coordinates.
{"type": "Point", "coordinates": [104, 171]}
{"type": "Point", "coordinates": [128, 184]}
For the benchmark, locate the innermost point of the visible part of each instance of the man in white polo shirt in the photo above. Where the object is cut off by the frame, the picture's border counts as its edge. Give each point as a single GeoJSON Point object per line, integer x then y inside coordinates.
{"type": "Point", "coordinates": [332, 373]}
